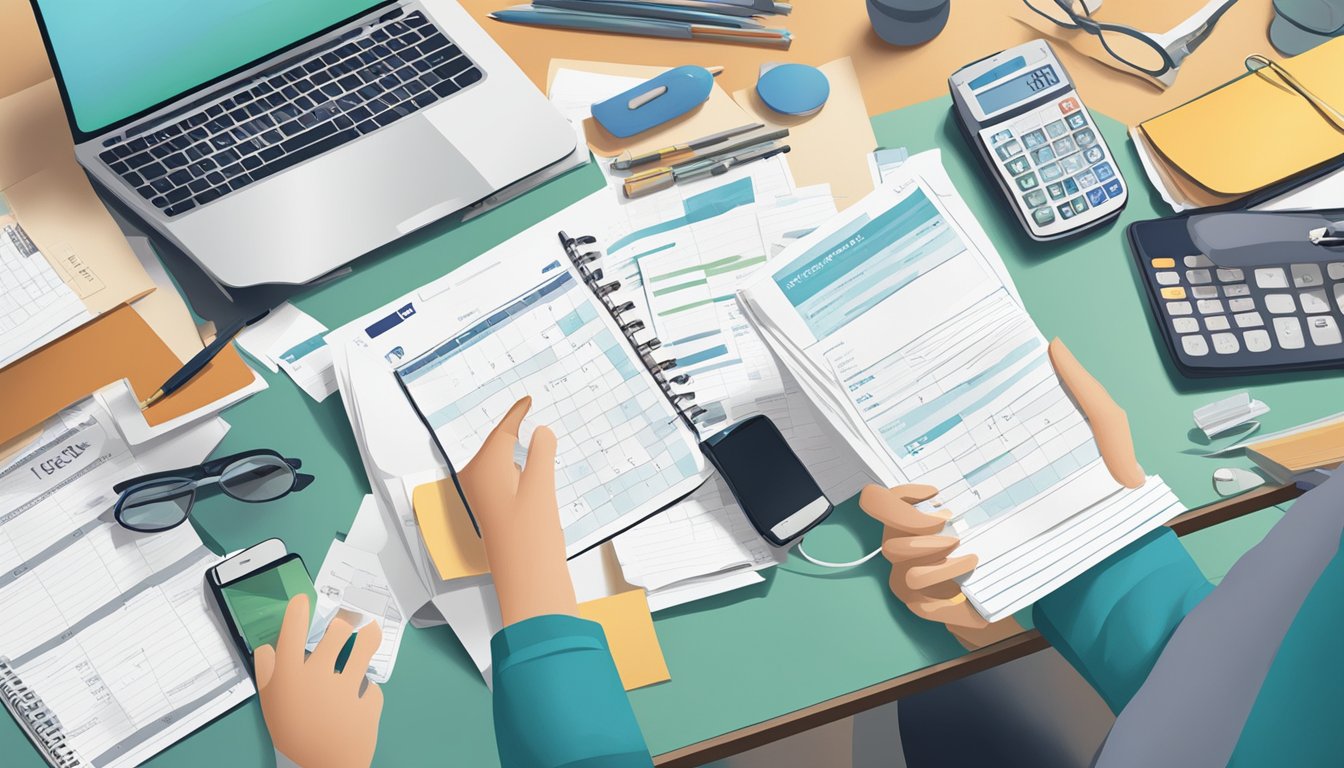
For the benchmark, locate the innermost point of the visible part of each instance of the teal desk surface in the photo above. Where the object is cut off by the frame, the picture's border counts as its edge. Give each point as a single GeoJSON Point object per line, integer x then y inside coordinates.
{"type": "Point", "coordinates": [800, 638]}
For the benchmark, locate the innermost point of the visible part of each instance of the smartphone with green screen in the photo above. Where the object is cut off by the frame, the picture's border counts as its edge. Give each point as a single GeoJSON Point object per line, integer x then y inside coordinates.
{"type": "Point", "coordinates": [253, 589]}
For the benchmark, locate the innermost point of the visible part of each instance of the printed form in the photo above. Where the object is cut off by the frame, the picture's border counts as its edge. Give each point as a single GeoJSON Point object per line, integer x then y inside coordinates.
{"type": "Point", "coordinates": [117, 638]}
{"type": "Point", "coordinates": [36, 306]}
{"type": "Point", "coordinates": [918, 349]}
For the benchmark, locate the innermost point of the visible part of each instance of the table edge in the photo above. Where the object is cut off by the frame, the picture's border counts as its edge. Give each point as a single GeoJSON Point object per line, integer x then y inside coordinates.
{"type": "Point", "coordinates": [1016, 647]}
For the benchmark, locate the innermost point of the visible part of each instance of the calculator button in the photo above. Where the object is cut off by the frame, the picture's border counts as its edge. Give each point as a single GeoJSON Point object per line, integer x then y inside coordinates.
{"type": "Point", "coordinates": [1167, 278]}
{"type": "Point", "coordinates": [1204, 291]}
{"type": "Point", "coordinates": [1010, 149]}
{"type": "Point", "coordinates": [1056, 191]}
{"type": "Point", "coordinates": [1249, 320]}
{"type": "Point", "coordinates": [1241, 305]}
{"type": "Point", "coordinates": [1001, 137]}
{"type": "Point", "coordinates": [1043, 216]}
{"type": "Point", "coordinates": [1056, 129]}
{"type": "Point", "coordinates": [1079, 204]}
{"type": "Point", "coordinates": [1096, 196]}
{"type": "Point", "coordinates": [1226, 343]}
{"type": "Point", "coordinates": [1104, 172]}
{"type": "Point", "coordinates": [1198, 261]}
{"type": "Point", "coordinates": [1070, 187]}
{"type": "Point", "coordinates": [1324, 331]}
{"type": "Point", "coordinates": [1198, 276]}
{"type": "Point", "coordinates": [1210, 307]}
{"type": "Point", "coordinates": [1042, 155]}
{"type": "Point", "coordinates": [1018, 166]}
{"type": "Point", "coordinates": [1280, 303]}
{"type": "Point", "coordinates": [1217, 323]}
{"type": "Point", "coordinates": [1336, 270]}
{"type": "Point", "coordinates": [1069, 105]}
{"type": "Point", "coordinates": [1163, 263]}
{"type": "Point", "coordinates": [1065, 211]}
{"type": "Point", "coordinates": [1306, 275]}
{"type": "Point", "coordinates": [1231, 275]}
{"type": "Point", "coordinates": [1065, 146]}
{"type": "Point", "coordinates": [1240, 289]}
{"type": "Point", "coordinates": [1258, 341]}
{"type": "Point", "coordinates": [1195, 346]}
{"type": "Point", "coordinates": [1176, 308]}
{"type": "Point", "coordinates": [1073, 163]}
{"type": "Point", "coordinates": [1270, 278]}
{"type": "Point", "coordinates": [1314, 302]}
{"type": "Point", "coordinates": [1033, 139]}
{"type": "Point", "coordinates": [1185, 324]}
{"type": "Point", "coordinates": [1085, 137]}
{"type": "Point", "coordinates": [1026, 182]}
{"type": "Point", "coordinates": [1173, 294]}
{"type": "Point", "coordinates": [1086, 179]}
{"type": "Point", "coordinates": [1035, 199]}
{"type": "Point", "coordinates": [1076, 120]}
{"type": "Point", "coordinates": [1051, 172]}
{"type": "Point", "coordinates": [1339, 296]}
{"type": "Point", "coordinates": [1113, 188]}
{"type": "Point", "coordinates": [1288, 330]}
{"type": "Point", "coordinates": [1093, 155]}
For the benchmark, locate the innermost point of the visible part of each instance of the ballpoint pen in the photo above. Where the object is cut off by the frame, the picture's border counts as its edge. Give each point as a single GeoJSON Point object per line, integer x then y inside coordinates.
{"type": "Point", "coordinates": [653, 11]}
{"type": "Point", "coordinates": [199, 362]}
{"type": "Point", "coordinates": [677, 30]}
{"type": "Point", "coordinates": [678, 150]}
{"type": "Point", "coordinates": [637, 179]}
{"type": "Point", "coordinates": [723, 166]}
{"type": "Point", "coordinates": [713, 166]}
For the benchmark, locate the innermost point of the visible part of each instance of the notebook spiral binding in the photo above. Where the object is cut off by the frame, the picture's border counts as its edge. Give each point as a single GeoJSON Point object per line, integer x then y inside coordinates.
{"type": "Point", "coordinates": [42, 727]}
{"type": "Point", "coordinates": [584, 260]}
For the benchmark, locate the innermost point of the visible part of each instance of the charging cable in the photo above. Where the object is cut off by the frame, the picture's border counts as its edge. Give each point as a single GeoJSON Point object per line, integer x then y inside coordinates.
{"type": "Point", "coordinates": [827, 564]}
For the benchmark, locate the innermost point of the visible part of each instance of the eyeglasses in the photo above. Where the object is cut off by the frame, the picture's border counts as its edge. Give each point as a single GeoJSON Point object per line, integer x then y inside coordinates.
{"type": "Point", "coordinates": [1153, 54]}
{"type": "Point", "coordinates": [162, 501]}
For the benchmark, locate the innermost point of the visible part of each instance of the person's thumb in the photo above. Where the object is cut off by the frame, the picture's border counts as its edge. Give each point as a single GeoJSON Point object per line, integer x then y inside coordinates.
{"type": "Point", "coordinates": [264, 661]}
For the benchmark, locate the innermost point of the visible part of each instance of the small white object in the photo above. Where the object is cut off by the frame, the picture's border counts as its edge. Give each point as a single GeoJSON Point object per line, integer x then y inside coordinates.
{"type": "Point", "coordinates": [1233, 291]}
{"type": "Point", "coordinates": [1217, 323]}
{"type": "Point", "coordinates": [1230, 275]}
{"type": "Point", "coordinates": [1226, 343]}
{"type": "Point", "coordinates": [1336, 270]}
{"type": "Point", "coordinates": [1204, 291]}
{"type": "Point", "coordinates": [1198, 261]}
{"type": "Point", "coordinates": [1314, 302]}
{"type": "Point", "coordinates": [1306, 275]}
{"type": "Point", "coordinates": [1324, 331]}
{"type": "Point", "coordinates": [1179, 307]}
{"type": "Point", "coordinates": [1168, 278]}
{"type": "Point", "coordinates": [1289, 332]}
{"type": "Point", "coordinates": [1185, 324]}
{"type": "Point", "coordinates": [1230, 481]}
{"type": "Point", "coordinates": [1280, 303]}
{"type": "Point", "coordinates": [1229, 413]}
{"type": "Point", "coordinates": [1210, 307]}
{"type": "Point", "coordinates": [1249, 319]}
{"type": "Point", "coordinates": [1271, 278]}
{"type": "Point", "coordinates": [1258, 341]}
{"type": "Point", "coordinates": [1198, 276]}
{"type": "Point", "coordinates": [1195, 346]}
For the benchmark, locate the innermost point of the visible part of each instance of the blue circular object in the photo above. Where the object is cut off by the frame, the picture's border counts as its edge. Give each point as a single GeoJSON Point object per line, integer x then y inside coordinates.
{"type": "Point", "coordinates": [794, 89]}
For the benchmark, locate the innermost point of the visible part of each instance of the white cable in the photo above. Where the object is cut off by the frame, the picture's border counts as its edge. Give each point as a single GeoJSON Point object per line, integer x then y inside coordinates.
{"type": "Point", "coordinates": [825, 564]}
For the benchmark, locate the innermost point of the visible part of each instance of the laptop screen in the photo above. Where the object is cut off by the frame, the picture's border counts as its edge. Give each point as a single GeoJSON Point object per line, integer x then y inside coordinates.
{"type": "Point", "coordinates": [120, 57]}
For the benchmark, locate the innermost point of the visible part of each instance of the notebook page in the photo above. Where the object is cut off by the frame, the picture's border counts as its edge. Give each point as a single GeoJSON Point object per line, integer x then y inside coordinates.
{"type": "Point", "coordinates": [117, 636]}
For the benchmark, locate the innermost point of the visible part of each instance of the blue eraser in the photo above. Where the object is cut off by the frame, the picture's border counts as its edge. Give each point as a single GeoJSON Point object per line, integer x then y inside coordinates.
{"type": "Point", "coordinates": [652, 103]}
{"type": "Point", "coordinates": [793, 89]}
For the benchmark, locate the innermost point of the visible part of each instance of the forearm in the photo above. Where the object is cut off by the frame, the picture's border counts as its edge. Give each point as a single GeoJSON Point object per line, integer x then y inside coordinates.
{"type": "Point", "coordinates": [1112, 622]}
{"type": "Point", "coordinates": [558, 699]}
{"type": "Point", "coordinates": [531, 587]}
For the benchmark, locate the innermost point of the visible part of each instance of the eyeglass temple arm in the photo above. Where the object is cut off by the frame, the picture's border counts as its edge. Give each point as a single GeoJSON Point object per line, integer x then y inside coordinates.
{"type": "Point", "coordinates": [1186, 44]}
{"type": "Point", "coordinates": [1320, 104]}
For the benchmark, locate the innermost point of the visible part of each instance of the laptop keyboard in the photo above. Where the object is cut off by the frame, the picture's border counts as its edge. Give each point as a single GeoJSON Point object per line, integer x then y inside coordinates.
{"type": "Point", "coordinates": [374, 77]}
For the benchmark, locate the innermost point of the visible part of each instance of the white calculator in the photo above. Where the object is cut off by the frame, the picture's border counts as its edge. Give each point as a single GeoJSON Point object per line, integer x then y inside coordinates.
{"type": "Point", "coordinates": [1020, 111]}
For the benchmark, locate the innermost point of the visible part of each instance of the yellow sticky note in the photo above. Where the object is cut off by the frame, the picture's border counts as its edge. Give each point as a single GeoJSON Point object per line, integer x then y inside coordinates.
{"type": "Point", "coordinates": [626, 620]}
{"type": "Point", "coordinates": [449, 536]}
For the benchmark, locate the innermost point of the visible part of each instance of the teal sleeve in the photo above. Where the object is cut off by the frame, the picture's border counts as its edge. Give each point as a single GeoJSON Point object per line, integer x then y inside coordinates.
{"type": "Point", "coordinates": [1113, 621]}
{"type": "Point", "coordinates": [559, 702]}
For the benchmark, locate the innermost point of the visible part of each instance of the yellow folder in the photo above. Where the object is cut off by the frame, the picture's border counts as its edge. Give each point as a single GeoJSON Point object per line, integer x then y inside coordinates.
{"type": "Point", "coordinates": [1256, 131]}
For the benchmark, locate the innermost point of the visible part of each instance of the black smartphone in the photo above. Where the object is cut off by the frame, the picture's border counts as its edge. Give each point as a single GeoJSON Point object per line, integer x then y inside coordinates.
{"type": "Point", "coordinates": [253, 588]}
{"type": "Point", "coordinates": [770, 483]}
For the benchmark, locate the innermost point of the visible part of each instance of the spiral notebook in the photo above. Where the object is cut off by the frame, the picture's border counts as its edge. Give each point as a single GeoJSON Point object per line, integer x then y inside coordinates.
{"type": "Point", "coordinates": [624, 419]}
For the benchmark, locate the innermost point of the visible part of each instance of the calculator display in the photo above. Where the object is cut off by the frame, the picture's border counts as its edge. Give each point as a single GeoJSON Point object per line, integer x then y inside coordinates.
{"type": "Point", "coordinates": [1021, 87]}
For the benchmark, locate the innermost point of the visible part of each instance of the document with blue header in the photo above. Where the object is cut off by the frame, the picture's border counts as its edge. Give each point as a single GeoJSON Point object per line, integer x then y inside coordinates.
{"type": "Point", "coordinates": [901, 322]}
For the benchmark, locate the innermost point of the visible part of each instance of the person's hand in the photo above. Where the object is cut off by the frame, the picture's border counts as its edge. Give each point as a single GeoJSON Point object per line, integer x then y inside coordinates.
{"type": "Point", "coordinates": [517, 513]}
{"type": "Point", "coordinates": [922, 574]}
{"type": "Point", "coordinates": [316, 715]}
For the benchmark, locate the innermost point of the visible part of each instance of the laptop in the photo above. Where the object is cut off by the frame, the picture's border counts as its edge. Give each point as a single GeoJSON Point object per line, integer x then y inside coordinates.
{"type": "Point", "coordinates": [275, 140]}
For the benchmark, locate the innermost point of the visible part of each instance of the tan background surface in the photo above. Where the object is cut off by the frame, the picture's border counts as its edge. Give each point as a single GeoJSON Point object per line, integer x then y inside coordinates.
{"type": "Point", "coordinates": [827, 29]}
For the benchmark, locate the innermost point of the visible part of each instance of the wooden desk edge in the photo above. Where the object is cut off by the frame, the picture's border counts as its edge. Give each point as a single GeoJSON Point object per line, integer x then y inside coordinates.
{"type": "Point", "coordinates": [929, 677]}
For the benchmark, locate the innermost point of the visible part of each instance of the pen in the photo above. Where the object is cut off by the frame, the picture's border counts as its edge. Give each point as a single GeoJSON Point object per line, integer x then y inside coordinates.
{"type": "Point", "coordinates": [664, 178]}
{"type": "Point", "coordinates": [652, 11]}
{"type": "Point", "coordinates": [720, 168]}
{"type": "Point", "coordinates": [625, 164]}
{"type": "Point", "coordinates": [717, 154]}
{"type": "Point", "coordinates": [677, 30]}
{"type": "Point", "coordinates": [198, 363]}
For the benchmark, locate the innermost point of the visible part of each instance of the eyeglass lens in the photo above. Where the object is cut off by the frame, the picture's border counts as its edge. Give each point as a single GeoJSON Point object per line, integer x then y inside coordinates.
{"type": "Point", "coordinates": [257, 478]}
{"type": "Point", "coordinates": [158, 507]}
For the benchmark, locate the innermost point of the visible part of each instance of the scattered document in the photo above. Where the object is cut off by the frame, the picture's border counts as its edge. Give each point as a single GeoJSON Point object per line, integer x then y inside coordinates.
{"type": "Point", "coordinates": [900, 321]}
{"type": "Point", "coordinates": [121, 403]}
{"type": "Point", "coordinates": [290, 339]}
{"type": "Point", "coordinates": [117, 637]}
{"type": "Point", "coordinates": [36, 306]}
{"type": "Point", "coordinates": [351, 585]}
{"type": "Point", "coordinates": [1228, 414]}
{"type": "Point", "coordinates": [884, 162]}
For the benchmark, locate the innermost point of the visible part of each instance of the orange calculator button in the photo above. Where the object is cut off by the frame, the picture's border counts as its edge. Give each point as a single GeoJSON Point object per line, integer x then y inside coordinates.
{"type": "Point", "coordinates": [1068, 105]}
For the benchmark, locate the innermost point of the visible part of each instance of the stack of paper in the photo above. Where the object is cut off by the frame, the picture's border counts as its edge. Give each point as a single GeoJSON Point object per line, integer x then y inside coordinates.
{"type": "Point", "coordinates": [899, 320]}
